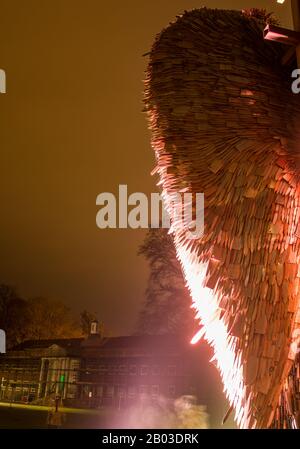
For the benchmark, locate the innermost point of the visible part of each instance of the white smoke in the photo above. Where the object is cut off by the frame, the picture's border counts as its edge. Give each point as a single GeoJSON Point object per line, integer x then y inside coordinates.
{"type": "Point", "coordinates": [162, 413]}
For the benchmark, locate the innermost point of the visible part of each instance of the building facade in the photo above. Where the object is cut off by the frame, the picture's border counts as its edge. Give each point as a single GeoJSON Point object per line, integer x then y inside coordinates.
{"type": "Point", "coordinates": [104, 372]}
{"type": "Point", "coordinates": [35, 370]}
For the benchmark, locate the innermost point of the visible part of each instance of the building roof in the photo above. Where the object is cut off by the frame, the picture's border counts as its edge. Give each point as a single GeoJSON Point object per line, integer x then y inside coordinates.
{"type": "Point", "coordinates": [46, 343]}
{"type": "Point", "coordinates": [137, 341]}
{"type": "Point", "coordinates": [107, 343]}
{"type": "Point", "coordinates": [96, 346]}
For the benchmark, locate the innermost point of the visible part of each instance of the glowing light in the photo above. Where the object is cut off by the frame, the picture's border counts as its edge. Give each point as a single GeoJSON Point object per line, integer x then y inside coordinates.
{"type": "Point", "coordinates": [198, 336]}
{"type": "Point", "coordinates": [215, 331]}
{"type": "Point", "coordinates": [213, 328]}
{"type": "Point", "coordinates": [227, 358]}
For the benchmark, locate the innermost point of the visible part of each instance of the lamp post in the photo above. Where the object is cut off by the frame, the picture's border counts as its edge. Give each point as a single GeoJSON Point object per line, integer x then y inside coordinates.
{"type": "Point", "coordinates": [289, 37]}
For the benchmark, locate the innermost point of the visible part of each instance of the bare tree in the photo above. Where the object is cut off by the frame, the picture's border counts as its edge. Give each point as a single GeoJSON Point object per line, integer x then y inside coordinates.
{"type": "Point", "coordinates": [50, 319]}
{"type": "Point", "coordinates": [167, 307]}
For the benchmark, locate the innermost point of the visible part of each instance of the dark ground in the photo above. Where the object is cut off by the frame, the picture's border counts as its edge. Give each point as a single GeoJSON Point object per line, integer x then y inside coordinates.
{"type": "Point", "coordinates": [28, 418]}
{"type": "Point", "coordinates": [14, 418]}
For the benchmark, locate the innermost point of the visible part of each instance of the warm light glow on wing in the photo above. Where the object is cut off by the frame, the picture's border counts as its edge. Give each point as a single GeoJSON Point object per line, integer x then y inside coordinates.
{"type": "Point", "coordinates": [216, 333]}
{"type": "Point", "coordinates": [209, 136]}
{"type": "Point", "coordinates": [197, 337]}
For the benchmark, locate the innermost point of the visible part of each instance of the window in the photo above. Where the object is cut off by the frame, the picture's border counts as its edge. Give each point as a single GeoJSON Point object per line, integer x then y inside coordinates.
{"type": "Point", "coordinates": [122, 369]}
{"type": "Point", "coordinates": [102, 369]}
{"type": "Point", "coordinates": [143, 389]}
{"type": "Point", "coordinates": [121, 392]}
{"type": "Point", "coordinates": [144, 370]}
{"type": "Point", "coordinates": [132, 369]}
{"type": "Point", "coordinates": [155, 370]}
{"type": "Point", "coordinates": [171, 390]}
{"type": "Point", "coordinates": [131, 392]}
{"type": "Point", "coordinates": [112, 369]}
{"type": "Point", "coordinates": [154, 390]}
{"type": "Point", "coordinates": [110, 391]}
{"type": "Point", "coordinates": [99, 391]}
{"type": "Point", "coordinates": [172, 370]}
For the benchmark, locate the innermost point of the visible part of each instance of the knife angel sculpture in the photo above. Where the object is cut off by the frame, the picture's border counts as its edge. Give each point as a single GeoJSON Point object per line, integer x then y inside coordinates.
{"type": "Point", "coordinates": [225, 122]}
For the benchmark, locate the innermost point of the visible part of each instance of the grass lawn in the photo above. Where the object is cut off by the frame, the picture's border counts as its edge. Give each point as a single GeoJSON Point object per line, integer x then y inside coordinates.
{"type": "Point", "coordinates": [19, 416]}
{"type": "Point", "coordinates": [35, 417]}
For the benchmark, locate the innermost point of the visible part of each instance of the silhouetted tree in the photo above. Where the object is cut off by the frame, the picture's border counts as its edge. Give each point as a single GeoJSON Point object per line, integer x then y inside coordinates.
{"type": "Point", "coordinates": [39, 318]}
{"type": "Point", "coordinates": [13, 311]}
{"type": "Point", "coordinates": [167, 307]}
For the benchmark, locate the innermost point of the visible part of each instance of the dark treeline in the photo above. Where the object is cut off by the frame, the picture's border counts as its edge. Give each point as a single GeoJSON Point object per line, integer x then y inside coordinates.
{"type": "Point", "coordinates": [38, 318]}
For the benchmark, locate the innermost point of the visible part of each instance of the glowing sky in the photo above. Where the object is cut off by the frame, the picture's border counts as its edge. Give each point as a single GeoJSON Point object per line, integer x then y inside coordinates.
{"type": "Point", "coordinates": [72, 127]}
